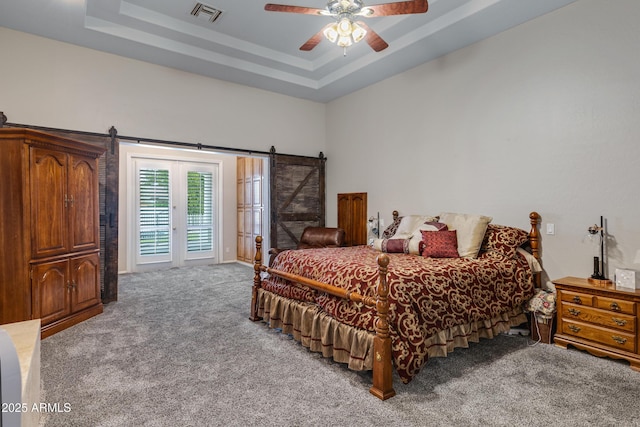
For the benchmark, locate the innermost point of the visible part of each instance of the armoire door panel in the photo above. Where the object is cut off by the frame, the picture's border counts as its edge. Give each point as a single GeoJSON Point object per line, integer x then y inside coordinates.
{"type": "Point", "coordinates": [48, 193]}
{"type": "Point", "coordinates": [51, 288]}
{"type": "Point", "coordinates": [81, 203]}
{"type": "Point", "coordinates": [85, 283]}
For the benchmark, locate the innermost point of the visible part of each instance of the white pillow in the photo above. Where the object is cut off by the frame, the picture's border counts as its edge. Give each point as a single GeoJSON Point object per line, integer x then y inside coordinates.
{"type": "Point", "coordinates": [470, 230]}
{"type": "Point", "coordinates": [409, 224]}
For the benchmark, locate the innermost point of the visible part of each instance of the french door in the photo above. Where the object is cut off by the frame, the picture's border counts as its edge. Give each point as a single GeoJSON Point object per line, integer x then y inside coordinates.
{"type": "Point", "coordinates": [176, 213]}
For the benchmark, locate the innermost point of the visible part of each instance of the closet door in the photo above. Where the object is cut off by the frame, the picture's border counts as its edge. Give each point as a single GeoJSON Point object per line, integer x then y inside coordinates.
{"type": "Point", "coordinates": [352, 217]}
{"type": "Point", "coordinates": [250, 196]}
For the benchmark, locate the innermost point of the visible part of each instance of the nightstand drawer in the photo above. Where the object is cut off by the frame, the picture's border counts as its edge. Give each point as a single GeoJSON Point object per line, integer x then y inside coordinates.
{"type": "Point", "coordinates": [606, 318]}
{"type": "Point", "coordinates": [609, 337]}
{"type": "Point", "coordinates": [576, 298]}
{"type": "Point", "coordinates": [616, 305]}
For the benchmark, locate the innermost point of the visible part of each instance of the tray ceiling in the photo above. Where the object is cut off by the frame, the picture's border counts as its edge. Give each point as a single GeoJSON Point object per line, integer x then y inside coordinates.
{"type": "Point", "coordinates": [247, 45]}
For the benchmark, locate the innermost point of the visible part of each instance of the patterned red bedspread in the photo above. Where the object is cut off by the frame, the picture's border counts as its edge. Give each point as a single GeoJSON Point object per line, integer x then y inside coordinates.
{"type": "Point", "coordinates": [426, 295]}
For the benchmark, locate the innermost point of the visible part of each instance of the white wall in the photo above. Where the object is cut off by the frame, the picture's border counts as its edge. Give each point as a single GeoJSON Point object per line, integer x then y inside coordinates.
{"type": "Point", "coordinates": [54, 84]}
{"type": "Point", "coordinates": [48, 83]}
{"type": "Point", "coordinates": [541, 117]}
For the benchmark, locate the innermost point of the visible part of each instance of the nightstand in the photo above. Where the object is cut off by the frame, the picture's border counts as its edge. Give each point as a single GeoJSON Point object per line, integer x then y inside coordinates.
{"type": "Point", "coordinates": [600, 319]}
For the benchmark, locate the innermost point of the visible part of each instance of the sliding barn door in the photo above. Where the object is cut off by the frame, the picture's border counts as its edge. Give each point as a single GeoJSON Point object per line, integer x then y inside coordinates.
{"type": "Point", "coordinates": [297, 197]}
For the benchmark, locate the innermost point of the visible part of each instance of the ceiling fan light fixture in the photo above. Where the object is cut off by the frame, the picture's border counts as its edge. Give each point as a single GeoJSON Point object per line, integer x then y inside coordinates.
{"type": "Point", "coordinates": [345, 31]}
{"type": "Point", "coordinates": [331, 33]}
{"type": "Point", "coordinates": [344, 27]}
{"type": "Point", "coordinates": [366, 12]}
{"type": "Point", "coordinates": [344, 41]}
{"type": "Point", "coordinates": [357, 32]}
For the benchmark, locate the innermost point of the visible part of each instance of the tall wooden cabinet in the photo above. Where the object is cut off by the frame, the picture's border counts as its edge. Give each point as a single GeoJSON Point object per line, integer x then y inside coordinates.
{"type": "Point", "coordinates": [49, 229]}
{"type": "Point", "coordinates": [250, 178]}
{"type": "Point", "coordinates": [352, 217]}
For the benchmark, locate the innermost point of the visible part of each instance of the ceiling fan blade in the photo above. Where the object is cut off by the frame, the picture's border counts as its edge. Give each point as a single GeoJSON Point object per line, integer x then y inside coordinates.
{"type": "Point", "coordinates": [315, 39]}
{"type": "Point", "coordinates": [293, 9]}
{"type": "Point", "coordinates": [398, 8]}
{"type": "Point", "coordinates": [373, 39]}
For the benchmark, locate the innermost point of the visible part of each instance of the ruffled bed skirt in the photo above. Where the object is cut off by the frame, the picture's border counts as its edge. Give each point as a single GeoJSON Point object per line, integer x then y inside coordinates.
{"type": "Point", "coordinates": [321, 333]}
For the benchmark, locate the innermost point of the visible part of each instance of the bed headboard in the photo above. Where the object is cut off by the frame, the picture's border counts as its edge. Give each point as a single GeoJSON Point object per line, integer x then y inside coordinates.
{"type": "Point", "coordinates": [534, 245]}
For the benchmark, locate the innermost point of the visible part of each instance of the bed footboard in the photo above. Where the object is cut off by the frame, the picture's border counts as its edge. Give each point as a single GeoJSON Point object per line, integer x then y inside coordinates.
{"type": "Point", "coordinates": [382, 386]}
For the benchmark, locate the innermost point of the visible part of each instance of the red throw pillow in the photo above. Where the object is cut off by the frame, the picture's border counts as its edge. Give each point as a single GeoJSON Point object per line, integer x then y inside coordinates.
{"type": "Point", "coordinates": [440, 244]}
{"type": "Point", "coordinates": [503, 239]}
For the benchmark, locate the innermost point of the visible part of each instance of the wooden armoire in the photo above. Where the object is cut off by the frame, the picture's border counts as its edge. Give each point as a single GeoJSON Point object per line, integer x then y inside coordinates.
{"type": "Point", "coordinates": [352, 217]}
{"type": "Point", "coordinates": [49, 229]}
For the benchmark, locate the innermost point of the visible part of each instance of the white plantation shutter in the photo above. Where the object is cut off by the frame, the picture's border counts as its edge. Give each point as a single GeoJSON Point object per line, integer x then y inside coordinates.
{"type": "Point", "coordinates": [199, 211]}
{"type": "Point", "coordinates": [154, 212]}
{"type": "Point", "coordinates": [176, 213]}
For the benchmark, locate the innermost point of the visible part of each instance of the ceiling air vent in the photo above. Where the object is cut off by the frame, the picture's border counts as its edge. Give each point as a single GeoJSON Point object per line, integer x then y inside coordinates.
{"type": "Point", "coordinates": [205, 11]}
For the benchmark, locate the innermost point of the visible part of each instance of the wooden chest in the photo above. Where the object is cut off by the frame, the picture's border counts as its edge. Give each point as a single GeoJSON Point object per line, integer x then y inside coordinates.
{"type": "Point", "coordinates": [600, 319]}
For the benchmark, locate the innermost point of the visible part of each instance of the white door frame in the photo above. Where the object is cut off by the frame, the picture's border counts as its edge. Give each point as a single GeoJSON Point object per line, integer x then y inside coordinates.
{"type": "Point", "coordinates": [131, 209]}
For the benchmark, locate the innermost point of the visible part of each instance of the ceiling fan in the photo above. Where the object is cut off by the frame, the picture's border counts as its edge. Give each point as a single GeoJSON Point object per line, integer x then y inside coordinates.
{"type": "Point", "coordinates": [346, 29]}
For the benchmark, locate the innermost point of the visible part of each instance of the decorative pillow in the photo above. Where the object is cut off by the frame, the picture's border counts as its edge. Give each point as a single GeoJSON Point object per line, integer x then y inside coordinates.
{"type": "Point", "coordinates": [391, 229]}
{"type": "Point", "coordinates": [409, 224]}
{"type": "Point", "coordinates": [391, 245]}
{"type": "Point", "coordinates": [470, 230]}
{"type": "Point", "coordinates": [503, 239]}
{"type": "Point", "coordinates": [440, 244]}
{"type": "Point", "coordinates": [416, 243]}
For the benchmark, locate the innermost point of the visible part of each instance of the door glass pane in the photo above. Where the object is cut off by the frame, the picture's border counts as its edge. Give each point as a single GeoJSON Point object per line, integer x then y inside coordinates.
{"type": "Point", "coordinates": [199, 211]}
{"type": "Point", "coordinates": [154, 212]}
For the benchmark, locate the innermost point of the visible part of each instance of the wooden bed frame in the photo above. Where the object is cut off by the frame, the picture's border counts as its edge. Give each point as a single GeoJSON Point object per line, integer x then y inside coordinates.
{"type": "Point", "coordinates": [382, 386]}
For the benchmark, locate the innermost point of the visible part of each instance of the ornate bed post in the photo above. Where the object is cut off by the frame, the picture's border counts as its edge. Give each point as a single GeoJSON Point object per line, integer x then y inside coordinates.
{"type": "Point", "coordinates": [534, 241]}
{"type": "Point", "coordinates": [382, 365]}
{"type": "Point", "coordinates": [257, 264]}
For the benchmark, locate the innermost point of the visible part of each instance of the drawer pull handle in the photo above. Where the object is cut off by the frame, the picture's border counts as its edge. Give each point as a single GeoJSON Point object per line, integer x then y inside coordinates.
{"type": "Point", "coordinates": [619, 322]}
{"type": "Point", "coordinates": [577, 300]}
{"type": "Point", "coordinates": [618, 339]}
{"type": "Point", "coordinates": [614, 306]}
{"type": "Point", "coordinates": [574, 328]}
{"type": "Point", "coordinates": [574, 312]}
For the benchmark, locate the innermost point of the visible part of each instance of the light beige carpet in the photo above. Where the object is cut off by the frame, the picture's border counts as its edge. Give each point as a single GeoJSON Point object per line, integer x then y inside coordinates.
{"type": "Point", "coordinates": [177, 349]}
